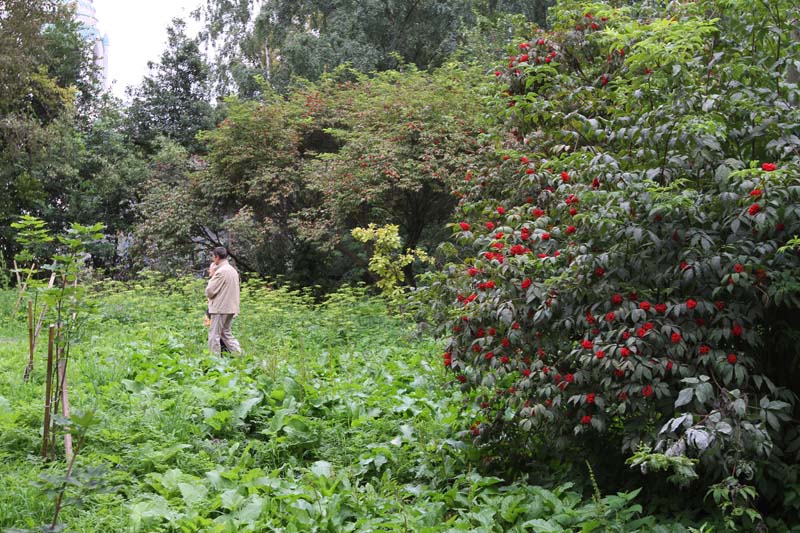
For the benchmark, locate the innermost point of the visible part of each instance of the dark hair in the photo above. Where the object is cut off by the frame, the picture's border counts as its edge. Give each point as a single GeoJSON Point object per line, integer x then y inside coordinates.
{"type": "Point", "coordinates": [220, 252]}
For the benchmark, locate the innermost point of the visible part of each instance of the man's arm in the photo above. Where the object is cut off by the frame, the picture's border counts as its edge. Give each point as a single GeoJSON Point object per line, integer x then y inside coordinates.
{"type": "Point", "coordinates": [214, 285]}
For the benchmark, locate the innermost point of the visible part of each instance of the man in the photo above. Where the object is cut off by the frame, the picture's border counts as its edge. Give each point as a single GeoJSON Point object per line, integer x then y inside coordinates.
{"type": "Point", "coordinates": [223, 302]}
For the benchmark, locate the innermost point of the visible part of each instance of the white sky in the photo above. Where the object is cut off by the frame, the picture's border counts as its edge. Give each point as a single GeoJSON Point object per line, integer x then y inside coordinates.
{"type": "Point", "coordinates": [137, 33]}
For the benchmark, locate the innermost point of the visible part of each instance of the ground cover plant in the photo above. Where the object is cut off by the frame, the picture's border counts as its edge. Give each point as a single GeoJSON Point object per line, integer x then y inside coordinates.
{"type": "Point", "coordinates": [335, 419]}
{"type": "Point", "coordinates": [622, 281]}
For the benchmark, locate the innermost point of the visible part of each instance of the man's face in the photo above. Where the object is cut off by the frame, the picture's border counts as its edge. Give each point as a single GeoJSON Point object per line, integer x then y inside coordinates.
{"type": "Point", "coordinates": [215, 259]}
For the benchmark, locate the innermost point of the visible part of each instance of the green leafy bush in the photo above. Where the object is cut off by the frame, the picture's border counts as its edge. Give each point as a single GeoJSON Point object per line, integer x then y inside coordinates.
{"type": "Point", "coordinates": [616, 279]}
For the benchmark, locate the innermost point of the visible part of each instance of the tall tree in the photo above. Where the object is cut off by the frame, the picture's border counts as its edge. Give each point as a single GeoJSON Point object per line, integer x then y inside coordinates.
{"type": "Point", "coordinates": [173, 101]}
{"type": "Point", "coordinates": [39, 145]}
{"type": "Point", "coordinates": [278, 39]}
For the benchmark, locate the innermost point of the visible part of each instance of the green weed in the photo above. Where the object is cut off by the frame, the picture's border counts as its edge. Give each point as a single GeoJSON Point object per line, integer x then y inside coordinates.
{"type": "Point", "coordinates": [334, 419]}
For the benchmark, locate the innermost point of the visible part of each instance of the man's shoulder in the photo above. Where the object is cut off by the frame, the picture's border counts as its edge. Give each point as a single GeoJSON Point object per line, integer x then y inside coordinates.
{"type": "Point", "coordinates": [229, 268]}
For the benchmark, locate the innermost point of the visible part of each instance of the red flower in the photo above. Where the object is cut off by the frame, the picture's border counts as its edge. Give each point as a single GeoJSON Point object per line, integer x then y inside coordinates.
{"type": "Point", "coordinates": [523, 58]}
{"type": "Point", "coordinates": [462, 378]}
{"type": "Point", "coordinates": [505, 342]}
{"type": "Point", "coordinates": [515, 325]}
{"type": "Point", "coordinates": [732, 358]}
{"type": "Point", "coordinates": [472, 271]}
{"type": "Point", "coordinates": [464, 226]}
{"type": "Point", "coordinates": [586, 343]}
{"type": "Point", "coordinates": [480, 333]}
{"type": "Point", "coordinates": [641, 332]}
{"type": "Point", "coordinates": [691, 304]}
{"type": "Point", "coordinates": [738, 268]}
{"type": "Point", "coordinates": [736, 330]}
{"type": "Point", "coordinates": [619, 373]}
{"type": "Point", "coordinates": [647, 391]}
{"type": "Point", "coordinates": [644, 306]}
{"type": "Point", "coordinates": [529, 171]}
{"type": "Point", "coordinates": [524, 159]}
{"type": "Point", "coordinates": [490, 225]}
{"type": "Point", "coordinates": [537, 212]}
{"type": "Point", "coordinates": [624, 352]}
{"type": "Point", "coordinates": [526, 283]}
{"type": "Point", "coordinates": [569, 378]}
{"type": "Point", "coordinates": [504, 359]}
{"type": "Point", "coordinates": [720, 305]}
{"type": "Point", "coordinates": [704, 349]}
{"type": "Point", "coordinates": [600, 354]}
{"type": "Point", "coordinates": [616, 299]}
{"type": "Point", "coordinates": [590, 397]}
{"type": "Point", "coordinates": [599, 272]}
{"type": "Point", "coordinates": [570, 229]}
{"type": "Point", "coordinates": [768, 167]}
{"type": "Point", "coordinates": [626, 335]}
{"type": "Point", "coordinates": [755, 208]}
{"type": "Point", "coordinates": [565, 177]}
{"type": "Point", "coordinates": [501, 210]}
{"type": "Point", "coordinates": [676, 338]}
{"type": "Point", "coordinates": [492, 332]}
{"type": "Point", "coordinates": [648, 326]}
{"type": "Point", "coordinates": [661, 308]}
{"type": "Point", "coordinates": [489, 356]}
{"type": "Point", "coordinates": [545, 236]}
{"type": "Point", "coordinates": [587, 419]}
{"type": "Point", "coordinates": [623, 396]}
{"type": "Point", "coordinates": [526, 372]}
{"type": "Point", "coordinates": [497, 73]}
{"type": "Point", "coordinates": [756, 193]}
{"type": "Point", "coordinates": [596, 183]}
{"type": "Point", "coordinates": [610, 316]}
{"type": "Point", "coordinates": [573, 212]}
{"type": "Point", "coordinates": [668, 366]}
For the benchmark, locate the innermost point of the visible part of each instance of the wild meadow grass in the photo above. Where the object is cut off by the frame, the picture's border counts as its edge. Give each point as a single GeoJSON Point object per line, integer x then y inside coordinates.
{"type": "Point", "coordinates": [336, 418]}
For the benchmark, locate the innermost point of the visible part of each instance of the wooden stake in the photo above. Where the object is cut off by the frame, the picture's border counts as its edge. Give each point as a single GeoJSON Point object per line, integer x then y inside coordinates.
{"type": "Point", "coordinates": [48, 391]}
{"type": "Point", "coordinates": [44, 310]}
{"type": "Point", "coordinates": [21, 287]}
{"type": "Point", "coordinates": [62, 379]}
{"type": "Point", "coordinates": [16, 272]}
{"type": "Point", "coordinates": [29, 366]}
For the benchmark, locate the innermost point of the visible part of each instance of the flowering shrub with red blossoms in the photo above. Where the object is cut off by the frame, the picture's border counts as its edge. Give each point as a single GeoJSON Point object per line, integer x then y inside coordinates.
{"type": "Point", "coordinates": [618, 281]}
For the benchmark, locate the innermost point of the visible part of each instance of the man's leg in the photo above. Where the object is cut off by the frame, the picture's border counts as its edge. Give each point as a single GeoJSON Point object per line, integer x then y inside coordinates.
{"type": "Point", "coordinates": [226, 335]}
{"type": "Point", "coordinates": [215, 332]}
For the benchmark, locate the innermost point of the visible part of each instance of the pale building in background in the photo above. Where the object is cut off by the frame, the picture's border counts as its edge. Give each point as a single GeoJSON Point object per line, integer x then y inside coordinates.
{"type": "Point", "coordinates": [86, 14]}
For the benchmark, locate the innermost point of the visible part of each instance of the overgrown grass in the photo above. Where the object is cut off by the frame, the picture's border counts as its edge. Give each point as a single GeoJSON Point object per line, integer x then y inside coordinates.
{"type": "Point", "coordinates": [335, 419]}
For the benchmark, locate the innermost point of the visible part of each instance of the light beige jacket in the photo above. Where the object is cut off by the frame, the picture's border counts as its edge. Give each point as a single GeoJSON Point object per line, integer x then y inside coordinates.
{"type": "Point", "coordinates": [223, 290]}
